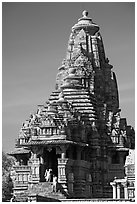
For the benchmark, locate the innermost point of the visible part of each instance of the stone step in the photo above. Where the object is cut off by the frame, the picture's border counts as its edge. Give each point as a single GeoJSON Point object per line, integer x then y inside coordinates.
{"type": "Point", "coordinates": [96, 200]}
{"type": "Point", "coordinates": [45, 190]}
{"type": "Point", "coordinates": [52, 194]}
{"type": "Point", "coordinates": [42, 187]}
{"type": "Point", "coordinates": [22, 197]}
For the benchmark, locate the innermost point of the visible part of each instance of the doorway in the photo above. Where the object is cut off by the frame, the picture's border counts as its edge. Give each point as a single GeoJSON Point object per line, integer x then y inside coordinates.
{"type": "Point", "coordinates": [50, 162]}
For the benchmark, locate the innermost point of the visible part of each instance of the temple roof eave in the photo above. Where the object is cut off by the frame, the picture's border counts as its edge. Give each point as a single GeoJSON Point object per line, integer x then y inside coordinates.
{"type": "Point", "coordinates": [19, 150]}
{"type": "Point", "coordinates": [118, 148]}
{"type": "Point", "coordinates": [53, 142]}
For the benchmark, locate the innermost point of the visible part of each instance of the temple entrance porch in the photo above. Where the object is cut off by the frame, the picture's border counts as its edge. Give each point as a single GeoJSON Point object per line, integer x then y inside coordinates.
{"type": "Point", "coordinates": [68, 164]}
{"type": "Point", "coordinates": [49, 160]}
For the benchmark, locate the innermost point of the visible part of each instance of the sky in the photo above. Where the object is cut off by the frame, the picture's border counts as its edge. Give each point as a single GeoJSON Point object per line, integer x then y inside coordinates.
{"type": "Point", "coordinates": [34, 43]}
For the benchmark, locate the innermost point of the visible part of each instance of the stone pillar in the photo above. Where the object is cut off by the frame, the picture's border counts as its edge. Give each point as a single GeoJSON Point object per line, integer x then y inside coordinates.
{"type": "Point", "coordinates": [62, 176]}
{"type": "Point", "coordinates": [35, 164]}
{"type": "Point", "coordinates": [64, 168]}
{"type": "Point", "coordinates": [88, 186]}
{"type": "Point", "coordinates": [42, 169]}
{"type": "Point", "coordinates": [113, 184]}
{"type": "Point", "coordinates": [63, 155]}
{"type": "Point", "coordinates": [121, 140]}
{"type": "Point", "coordinates": [34, 155]}
{"type": "Point", "coordinates": [125, 191]}
{"type": "Point", "coordinates": [41, 160]}
{"type": "Point", "coordinates": [70, 183]}
{"type": "Point", "coordinates": [118, 191]}
{"type": "Point", "coordinates": [63, 152]}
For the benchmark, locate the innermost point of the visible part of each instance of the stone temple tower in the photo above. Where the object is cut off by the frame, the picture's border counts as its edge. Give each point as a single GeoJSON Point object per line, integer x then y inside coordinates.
{"type": "Point", "coordinates": [78, 132]}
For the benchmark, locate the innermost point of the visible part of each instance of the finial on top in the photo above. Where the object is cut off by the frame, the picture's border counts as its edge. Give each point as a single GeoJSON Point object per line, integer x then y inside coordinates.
{"type": "Point", "coordinates": [85, 13]}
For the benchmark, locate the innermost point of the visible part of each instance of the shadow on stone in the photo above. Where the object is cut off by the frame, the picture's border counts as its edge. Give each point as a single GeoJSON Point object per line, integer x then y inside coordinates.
{"type": "Point", "coordinates": [45, 199]}
{"type": "Point", "coordinates": [61, 189]}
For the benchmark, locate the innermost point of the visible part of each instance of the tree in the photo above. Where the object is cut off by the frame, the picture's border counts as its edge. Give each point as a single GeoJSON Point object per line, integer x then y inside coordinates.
{"type": "Point", "coordinates": [7, 184]}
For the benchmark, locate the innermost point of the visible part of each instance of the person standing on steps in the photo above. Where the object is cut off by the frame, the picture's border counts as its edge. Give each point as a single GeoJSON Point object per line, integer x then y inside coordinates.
{"type": "Point", "coordinates": [54, 183]}
{"type": "Point", "coordinates": [48, 174]}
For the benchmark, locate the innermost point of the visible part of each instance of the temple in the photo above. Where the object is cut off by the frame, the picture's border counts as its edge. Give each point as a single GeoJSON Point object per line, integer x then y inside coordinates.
{"type": "Point", "coordinates": [78, 132]}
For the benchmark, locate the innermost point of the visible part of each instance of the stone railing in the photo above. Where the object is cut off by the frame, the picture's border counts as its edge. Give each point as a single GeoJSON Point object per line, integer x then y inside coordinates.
{"type": "Point", "coordinates": [48, 137]}
{"type": "Point", "coordinates": [21, 184]}
{"type": "Point", "coordinates": [21, 176]}
{"type": "Point", "coordinates": [22, 168]}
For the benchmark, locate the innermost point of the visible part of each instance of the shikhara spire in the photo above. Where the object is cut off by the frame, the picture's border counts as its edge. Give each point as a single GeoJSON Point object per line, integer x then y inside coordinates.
{"type": "Point", "coordinates": [78, 132]}
{"type": "Point", "coordinates": [86, 66]}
